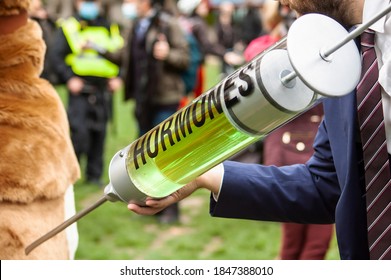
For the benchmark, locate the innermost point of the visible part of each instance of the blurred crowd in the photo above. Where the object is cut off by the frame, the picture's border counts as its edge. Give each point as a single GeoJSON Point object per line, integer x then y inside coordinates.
{"type": "Point", "coordinates": [155, 51]}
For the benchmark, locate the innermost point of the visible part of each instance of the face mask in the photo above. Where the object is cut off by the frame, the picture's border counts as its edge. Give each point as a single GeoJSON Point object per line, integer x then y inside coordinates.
{"type": "Point", "coordinates": [129, 10]}
{"type": "Point", "coordinates": [89, 10]}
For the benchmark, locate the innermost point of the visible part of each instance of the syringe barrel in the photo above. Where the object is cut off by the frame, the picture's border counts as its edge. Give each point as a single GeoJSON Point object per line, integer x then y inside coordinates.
{"type": "Point", "coordinates": [238, 111]}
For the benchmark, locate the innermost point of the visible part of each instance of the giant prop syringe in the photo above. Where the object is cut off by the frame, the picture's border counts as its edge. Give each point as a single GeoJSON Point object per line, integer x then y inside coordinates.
{"type": "Point", "coordinates": [276, 86]}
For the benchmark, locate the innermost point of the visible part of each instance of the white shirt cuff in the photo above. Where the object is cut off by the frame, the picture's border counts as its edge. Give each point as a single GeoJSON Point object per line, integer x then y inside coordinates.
{"type": "Point", "coordinates": [216, 196]}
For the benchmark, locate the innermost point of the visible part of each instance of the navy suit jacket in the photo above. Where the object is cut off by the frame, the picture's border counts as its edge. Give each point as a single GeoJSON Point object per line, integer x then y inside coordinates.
{"type": "Point", "coordinates": [328, 188]}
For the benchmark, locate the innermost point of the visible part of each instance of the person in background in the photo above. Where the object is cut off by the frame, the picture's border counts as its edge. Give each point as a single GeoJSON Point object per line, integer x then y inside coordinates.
{"type": "Point", "coordinates": [158, 53]}
{"type": "Point", "coordinates": [196, 11]}
{"type": "Point", "coordinates": [226, 33]}
{"type": "Point", "coordinates": [38, 13]}
{"type": "Point", "coordinates": [90, 80]}
{"type": "Point", "coordinates": [112, 10]}
{"type": "Point", "coordinates": [38, 165]}
{"type": "Point", "coordinates": [125, 20]}
{"type": "Point", "coordinates": [250, 23]}
{"type": "Point", "coordinates": [333, 185]}
{"type": "Point", "coordinates": [129, 13]}
{"type": "Point", "coordinates": [63, 9]}
{"type": "Point", "coordinates": [59, 9]}
{"type": "Point", "coordinates": [275, 26]}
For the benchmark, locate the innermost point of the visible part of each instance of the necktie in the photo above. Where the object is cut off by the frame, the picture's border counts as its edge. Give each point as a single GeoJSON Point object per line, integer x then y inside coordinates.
{"type": "Point", "coordinates": [377, 168]}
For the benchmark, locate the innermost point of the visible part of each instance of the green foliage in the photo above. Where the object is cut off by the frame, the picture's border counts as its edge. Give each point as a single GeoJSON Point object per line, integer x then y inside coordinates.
{"type": "Point", "coordinates": [112, 232]}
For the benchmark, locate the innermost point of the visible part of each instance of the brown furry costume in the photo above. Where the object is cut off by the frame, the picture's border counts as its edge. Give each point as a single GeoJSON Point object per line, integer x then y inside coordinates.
{"type": "Point", "coordinates": [37, 161]}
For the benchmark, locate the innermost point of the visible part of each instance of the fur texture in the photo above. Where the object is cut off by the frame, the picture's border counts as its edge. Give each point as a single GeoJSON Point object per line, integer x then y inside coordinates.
{"type": "Point", "coordinates": [13, 7]}
{"type": "Point", "coordinates": [37, 161]}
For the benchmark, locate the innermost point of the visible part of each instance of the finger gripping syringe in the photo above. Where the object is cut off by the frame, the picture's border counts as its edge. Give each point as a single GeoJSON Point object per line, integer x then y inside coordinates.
{"type": "Point", "coordinates": [275, 87]}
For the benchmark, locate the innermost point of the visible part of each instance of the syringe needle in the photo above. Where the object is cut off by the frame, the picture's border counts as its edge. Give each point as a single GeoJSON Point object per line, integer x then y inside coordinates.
{"type": "Point", "coordinates": [64, 225]}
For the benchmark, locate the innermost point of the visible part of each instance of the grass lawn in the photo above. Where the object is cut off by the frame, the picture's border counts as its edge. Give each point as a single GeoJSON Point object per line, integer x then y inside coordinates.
{"type": "Point", "coordinates": [111, 232]}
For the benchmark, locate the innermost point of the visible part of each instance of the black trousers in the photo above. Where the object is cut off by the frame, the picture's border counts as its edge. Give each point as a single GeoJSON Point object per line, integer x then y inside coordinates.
{"type": "Point", "coordinates": [88, 114]}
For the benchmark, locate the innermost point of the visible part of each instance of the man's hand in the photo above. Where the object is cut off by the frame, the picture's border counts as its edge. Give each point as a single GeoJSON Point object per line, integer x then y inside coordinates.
{"type": "Point", "coordinates": [161, 48]}
{"type": "Point", "coordinates": [115, 84]}
{"type": "Point", "coordinates": [234, 59]}
{"type": "Point", "coordinates": [210, 180]}
{"type": "Point", "coordinates": [75, 85]}
{"type": "Point", "coordinates": [156, 205]}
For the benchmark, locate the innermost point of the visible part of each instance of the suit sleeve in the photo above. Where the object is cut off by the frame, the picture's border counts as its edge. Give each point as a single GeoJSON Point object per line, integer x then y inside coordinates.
{"type": "Point", "coordinates": [300, 193]}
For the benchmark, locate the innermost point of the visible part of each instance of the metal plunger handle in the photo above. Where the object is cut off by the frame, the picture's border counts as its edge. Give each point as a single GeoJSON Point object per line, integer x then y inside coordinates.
{"type": "Point", "coordinates": [65, 224]}
{"type": "Point", "coordinates": [328, 51]}
{"type": "Point", "coordinates": [357, 32]}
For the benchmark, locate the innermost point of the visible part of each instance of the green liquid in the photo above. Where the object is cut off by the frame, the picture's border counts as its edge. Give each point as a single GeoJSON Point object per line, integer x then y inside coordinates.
{"type": "Point", "coordinates": [181, 163]}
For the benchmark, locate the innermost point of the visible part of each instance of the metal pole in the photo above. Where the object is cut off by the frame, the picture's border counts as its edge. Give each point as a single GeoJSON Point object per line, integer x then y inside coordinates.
{"type": "Point", "coordinates": [64, 225]}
